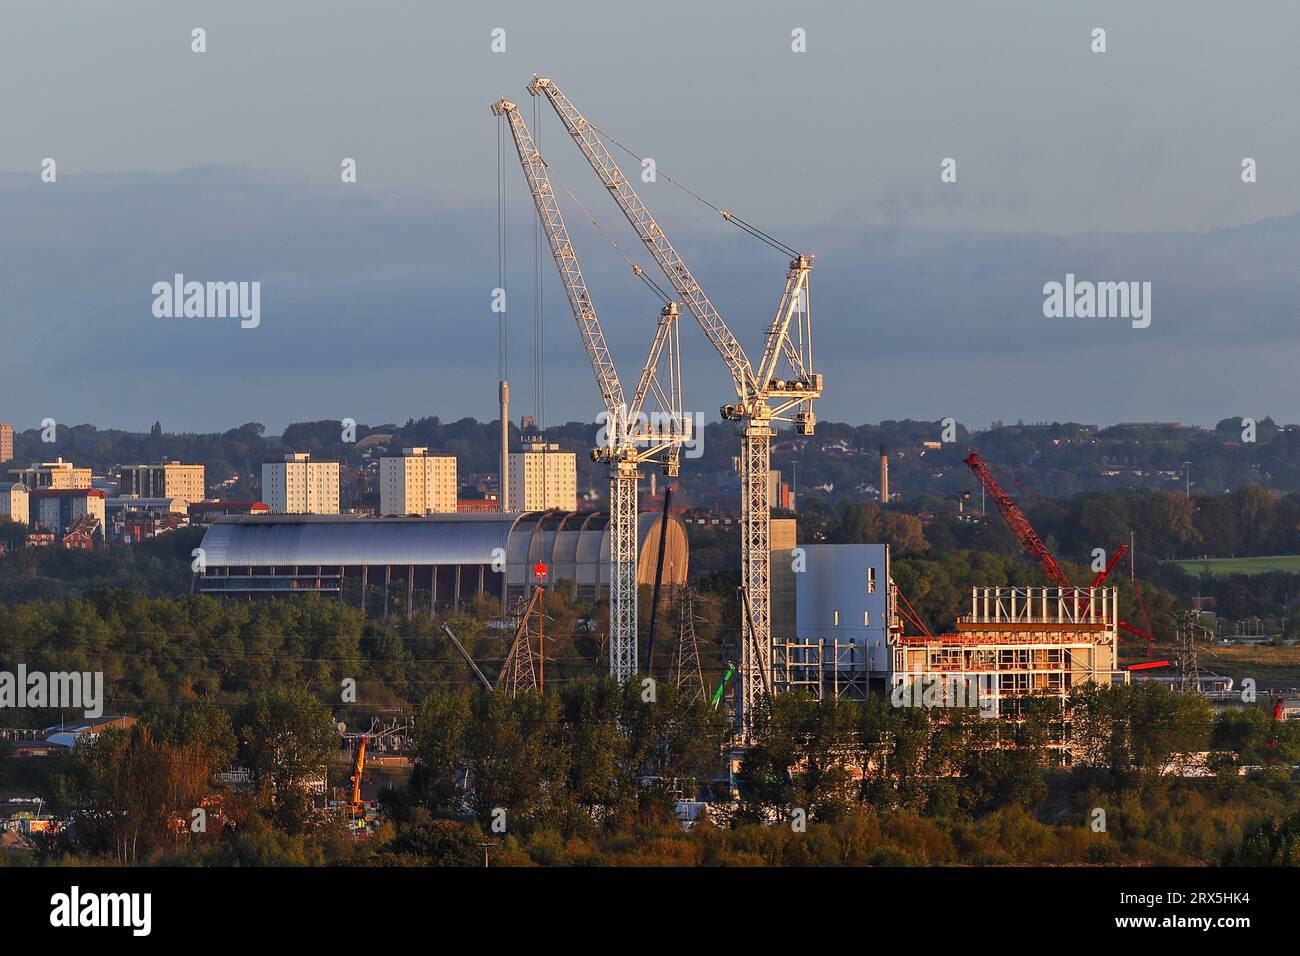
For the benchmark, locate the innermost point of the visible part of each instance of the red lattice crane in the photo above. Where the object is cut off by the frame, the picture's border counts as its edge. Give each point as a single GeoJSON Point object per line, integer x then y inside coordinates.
{"type": "Point", "coordinates": [1018, 523]}
{"type": "Point", "coordinates": [1032, 543]}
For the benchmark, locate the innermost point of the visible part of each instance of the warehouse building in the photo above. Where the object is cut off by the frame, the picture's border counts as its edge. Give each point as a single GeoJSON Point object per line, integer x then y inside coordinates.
{"type": "Point", "coordinates": [420, 563]}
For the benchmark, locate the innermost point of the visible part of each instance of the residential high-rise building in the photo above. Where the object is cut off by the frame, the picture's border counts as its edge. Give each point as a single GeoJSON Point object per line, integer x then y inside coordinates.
{"type": "Point", "coordinates": [168, 479]}
{"type": "Point", "coordinates": [300, 486]}
{"type": "Point", "coordinates": [6, 442]}
{"type": "Point", "coordinates": [778, 491]}
{"type": "Point", "coordinates": [542, 477]}
{"type": "Point", "coordinates": [417, 483]}
{"type": "Point", "coordinates": [52, 474]}
{"type": "Point", "coordinates": [13, 501]}
{"type": "Point", "coordinates": [57, 509]}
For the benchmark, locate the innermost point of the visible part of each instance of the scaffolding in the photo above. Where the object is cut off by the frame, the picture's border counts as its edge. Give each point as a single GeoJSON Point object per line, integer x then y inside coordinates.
{"type": "Point", "coordinates": [824, 669]}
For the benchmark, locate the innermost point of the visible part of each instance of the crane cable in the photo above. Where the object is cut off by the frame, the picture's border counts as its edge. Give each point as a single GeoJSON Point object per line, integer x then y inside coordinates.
{"type": "Point", "coordinates": [503, 480]}
{"type": "Point", "coordinates": [753, 230]}
{"type": "Point", "coordinates": [636, 269]}
{"type": "Point", "coordinates": [501, 249]}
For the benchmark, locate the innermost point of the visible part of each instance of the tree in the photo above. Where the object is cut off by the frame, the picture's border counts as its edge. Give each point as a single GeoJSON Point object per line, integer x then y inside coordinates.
{"type": "Point", "coordinates": [865, 523]}
{"type": "Point", "coordinates": [517, 759]}
{"type": "Point", "coordinates": [440, 749]}
{"type": "Point", "coordinates": [286, 735]}
{"type": "Point", "coordinates": [1136, 733]}
{"type": "Point", "coordinates": [1276, 843]}
{"type": "Point", "coordinates": [132, 793]}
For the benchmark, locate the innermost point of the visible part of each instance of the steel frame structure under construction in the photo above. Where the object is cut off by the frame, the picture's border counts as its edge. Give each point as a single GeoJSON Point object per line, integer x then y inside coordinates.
{"type": "Point", "coordinates": [1018, 643]}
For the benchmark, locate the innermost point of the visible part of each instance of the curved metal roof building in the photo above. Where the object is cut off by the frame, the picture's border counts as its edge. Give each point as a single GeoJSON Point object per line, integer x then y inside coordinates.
{"type": "Point", "coordinates": [264, 540]}
{"type": "Point", "coordinates": [449, 556]}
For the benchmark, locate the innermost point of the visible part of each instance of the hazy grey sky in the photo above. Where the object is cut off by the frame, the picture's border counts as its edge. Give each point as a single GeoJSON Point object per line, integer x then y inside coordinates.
{"type": "Point", "coordinates": [225, 166]}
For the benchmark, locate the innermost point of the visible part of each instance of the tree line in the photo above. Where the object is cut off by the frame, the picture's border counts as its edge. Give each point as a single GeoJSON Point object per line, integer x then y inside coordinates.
{"type": "Point", "coordinates": [590, 774]}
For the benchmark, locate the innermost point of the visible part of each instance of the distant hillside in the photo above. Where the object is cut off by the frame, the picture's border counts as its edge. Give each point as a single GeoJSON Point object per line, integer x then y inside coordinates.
{"type": "Point", "coordinates": [840, 462]}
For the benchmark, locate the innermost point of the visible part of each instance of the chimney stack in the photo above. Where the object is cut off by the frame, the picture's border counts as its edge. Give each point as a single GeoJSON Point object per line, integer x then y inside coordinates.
{"type": "Point", "coordinates": [505, 446]}
{"type": "Point", "coordinates": [884, 475]}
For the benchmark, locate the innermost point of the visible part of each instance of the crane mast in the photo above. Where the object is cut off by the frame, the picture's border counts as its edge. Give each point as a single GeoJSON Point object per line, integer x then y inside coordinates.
{"type": "Point", "coordinates": [762, 398]}
{"type": "Point", "coordinates": [630, 438]}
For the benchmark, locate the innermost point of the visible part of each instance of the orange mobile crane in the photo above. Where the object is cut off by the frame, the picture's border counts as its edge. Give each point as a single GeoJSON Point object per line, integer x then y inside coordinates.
{"type": "Point", "coordinates": [355, 805]}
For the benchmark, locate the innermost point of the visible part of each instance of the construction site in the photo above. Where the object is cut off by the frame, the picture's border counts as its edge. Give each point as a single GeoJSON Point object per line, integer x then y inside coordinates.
{"type": "Point", "coordinates": [835, 625]}
{"type": "Point", "coordinates": [919, 497]}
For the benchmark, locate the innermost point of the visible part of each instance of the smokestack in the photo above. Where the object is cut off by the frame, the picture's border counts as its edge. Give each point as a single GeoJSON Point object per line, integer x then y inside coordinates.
{"type": "Point", "coordinates": [505, 446]}
{"type": "Point", "coordinates": [884, 475]}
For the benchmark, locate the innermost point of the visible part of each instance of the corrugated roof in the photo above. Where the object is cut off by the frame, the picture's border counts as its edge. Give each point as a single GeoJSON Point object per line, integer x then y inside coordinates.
{"type": "Point", "coordinates": [344, 539]}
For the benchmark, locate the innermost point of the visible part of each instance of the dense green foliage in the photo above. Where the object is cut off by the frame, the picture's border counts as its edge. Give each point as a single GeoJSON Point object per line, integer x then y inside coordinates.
{"type": "Point", "coordinates": [588, 775]}
{"type": "Point", "coordinates": [158, 567]}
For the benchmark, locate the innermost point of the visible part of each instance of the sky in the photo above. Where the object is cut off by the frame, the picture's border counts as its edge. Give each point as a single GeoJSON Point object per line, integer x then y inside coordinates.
{"type": "Point", "coordinates": [375, 295]}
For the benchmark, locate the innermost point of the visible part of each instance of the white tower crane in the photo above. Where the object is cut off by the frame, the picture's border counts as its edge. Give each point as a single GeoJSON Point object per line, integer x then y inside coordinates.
{"type": "Point", "coordinates": [630, 437]}
{"type": "Point", "coordinates": [762, 398]}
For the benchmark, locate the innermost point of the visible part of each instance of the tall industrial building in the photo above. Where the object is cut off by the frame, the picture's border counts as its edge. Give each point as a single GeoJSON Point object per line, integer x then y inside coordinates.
{"type": "Point", "coordinates": [417, 483]}
{"type": "Point", "coordinates": [300, 486]}
{"type": "Point", "coordinates": [52, 474]}
{"type": "Point", "coordinates": [779, 494]}
{"type": "Point", "coordinates": [840, 642]}
{"type": "Point", "coordinates": [542, 478]}
{"type": "Point", "coordinates": [168, 479]}
{"type": "Point", "coordinates": [6, 442]}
